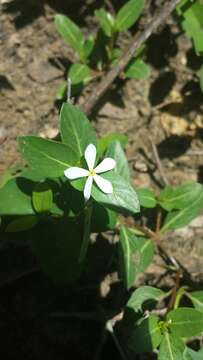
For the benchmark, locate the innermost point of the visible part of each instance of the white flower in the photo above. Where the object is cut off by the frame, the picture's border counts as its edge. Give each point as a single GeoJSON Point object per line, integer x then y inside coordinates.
{"type": "Point", "coordinates": [91, 174]}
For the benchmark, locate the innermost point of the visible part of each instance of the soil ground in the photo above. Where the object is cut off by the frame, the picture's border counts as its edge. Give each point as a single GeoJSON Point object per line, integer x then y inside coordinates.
{"type": "Point", "coordinates": [166, 110]}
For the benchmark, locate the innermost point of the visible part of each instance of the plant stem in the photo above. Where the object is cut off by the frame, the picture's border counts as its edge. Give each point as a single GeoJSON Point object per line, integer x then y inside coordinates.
{"type": "Point", "coordinates": [87, 223]}
{"type": "Point", "coordinates": [145, 230]}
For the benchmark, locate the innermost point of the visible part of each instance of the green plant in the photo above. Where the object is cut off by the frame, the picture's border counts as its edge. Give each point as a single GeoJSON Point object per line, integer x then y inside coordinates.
{"type": "Point", "coordinates": [97, 53]}
{"type": "Point", "coordinates": [58, 220]}
{"type": "Point", "coordinates": [190, 16]}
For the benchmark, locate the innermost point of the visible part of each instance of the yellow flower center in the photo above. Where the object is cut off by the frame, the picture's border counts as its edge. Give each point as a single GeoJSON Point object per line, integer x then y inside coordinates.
{"type": "Point", "coordinates": [91, 173]}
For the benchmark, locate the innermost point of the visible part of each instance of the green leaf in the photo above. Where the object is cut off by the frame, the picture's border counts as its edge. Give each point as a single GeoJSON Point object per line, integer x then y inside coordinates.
{"type": "Point", "coordinates": [191, 17]}
{"type": "Point", "coordinates": [197, 299]}
{"type": "Point", "coordinates": [42, 198]}
{"type": "Point", "coordinates": [146, 198]}
{"type": "Point", "coordinates": [67, 200]}
{"type": "Point", "coordinates": [137, 69]}
{"type": "Point", "coordinates": [201, 78]}
{"type": "Point", "coordinates": [190, 354]}
{"type": "Point", "coordinates": [48, 158]}
{"type": "Point", "coordinates": [7, 175]}
{"type": "Point", "coordinates": [15, 197]}
{"type": "Point", "coordinates": [147, 336]}
{"type": "Point", "coordinates": [181, 6]}
{"type": "Point", "coordinates": [191, 10]}
{"type": "Point", "coordinates": [22, 224]}
{"type": "Point", "coordinates": [135, 254]}
{"type": "Point", "coordinates": [70, 32]}
{"type": "Point", "coordinates": [185, 322]}
{"type": "Point", "coordinates": [31, 174]}
{"type": "Point", "coordinates": [106, 21]}
{"type": "Point", "coordinates": [57, 247]}
{"type": "Point", "coordinates": [102, 219]}
{"type": "Point", "coordinates": [63, 194]}
{"type": "Point", "coordinates": [143, 294]}
{"type": "Point", "coordinates": [76, 130]}
{"type": "Point", "coordinates": [114, 55]}
{"type": "Point", "coordinates": [200, 351]}
{"type": "Point", "coordinates": [195, 11]}
{"type": "Point", "coordinates": [124, 198]}
{"type": "Point", "coordinates": [171, 348]}
{"type": "Point", "coordinates": [128, 14]}
{"type": "Point", "coordinates": [61, 91]}
{"type": "Point", "coordinates": [88, 46]}
{"type": "Point", "coordinates": [198, 43]}
{"type": "Point", "coordinates": [105, 142]}
{"type": "Point", "coordinates": [116, 152]}
{"type": "Point", "coordinates": [79, 74]}
{"type": "Point", "coordinates": [180, 218]}
{"type": "Point", "coordinates": [180, 197]}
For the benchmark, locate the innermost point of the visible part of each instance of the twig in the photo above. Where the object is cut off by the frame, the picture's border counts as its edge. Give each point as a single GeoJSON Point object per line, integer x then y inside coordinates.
{"type": "Point", "coordinates": [155, 236]}
{"type": "Point", "coordinates": [110, 7]}
{"type": "Point", "coordinates": [158, 222]}
{"type": "Point", "coordinates": [159, 164]}
{"type": "Point", "coordinates": [140, 38]}
{"type": "Point", "coordinates": [174, 290]}
{"type": "Point", "coordinates": [194, 152]}
{"type": "Point", "coordinates": [109, 327]}
{"type": "Point", "coordinates": [102, 341]}
{"type": "Point", "coordinates": [19, 276]}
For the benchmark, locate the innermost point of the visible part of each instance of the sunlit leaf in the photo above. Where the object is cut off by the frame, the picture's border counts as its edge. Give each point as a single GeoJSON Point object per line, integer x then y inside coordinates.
{"type": "Point", "coordinates": [181, 196]}
{"type": "Point", "coordinates": [48, 158]}
{"type": "Point", "coordinates": [116, 152]}
{"type": "Point", "coordinates": [143, 294]}
{"type": "Point", "coordinates": [137, 69]}
{"type": "Point", "coordinates": [185, 322]}
{"type": "Point", "coordinates": [171, 347]}
{"type": "Point", "coordinates": [15, 197]}
{"type": "Point", "coordinates": [146, 197]}
{"type": "Point", "coordinates": [70, 32]}
{"type": "Point", "coordinates": [128, 14]}
{"type": "Point", "coordinates": [76, 130]}
{"type": "Point", "coordinates": [106, 21]}
{"type": "Point", "coordinates": [135, 254]}
{"type": "Point", "coordinates": [197, 299]}
{"type": "Point", "coordinates": [42, 198]}
{"type": "Point", "coordinates": [79, 73]}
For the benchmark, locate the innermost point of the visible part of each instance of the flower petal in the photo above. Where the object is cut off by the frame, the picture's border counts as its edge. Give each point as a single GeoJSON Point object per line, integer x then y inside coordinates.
{"type": "Point", "coordinates": [90, 156]}
{"type": "Point", "coordinates": [103, 184]}
{"type": "Point", "coordinates": [88, 188]}
{"type": "Point", "coordinates": [75, 173]}
{"type": "Point", "coordinates": [106, 165]}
